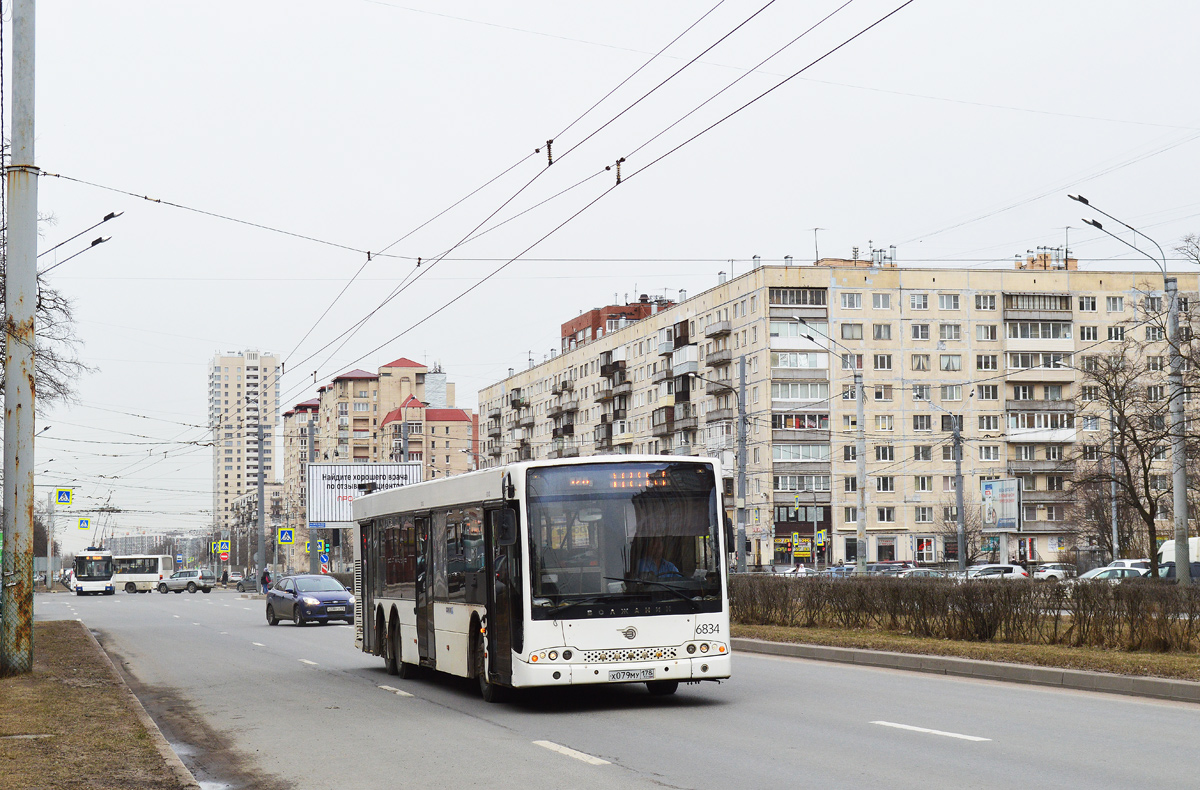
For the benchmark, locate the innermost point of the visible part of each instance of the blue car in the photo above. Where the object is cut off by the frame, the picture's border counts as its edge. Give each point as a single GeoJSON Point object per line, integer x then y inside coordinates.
{"type": "Point", "coordinates": [310, 598]}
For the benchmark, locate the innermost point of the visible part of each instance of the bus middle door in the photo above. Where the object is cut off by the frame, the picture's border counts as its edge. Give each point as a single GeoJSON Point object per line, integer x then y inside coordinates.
{"type": "Point", "coordinates": [426, 643]}
{"type": "Point", "coordinates": [503, 596]}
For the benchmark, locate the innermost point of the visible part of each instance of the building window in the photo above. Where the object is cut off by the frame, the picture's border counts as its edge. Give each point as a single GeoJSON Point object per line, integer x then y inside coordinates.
{"type": "Point", "coordinates": [989, 422]}
{"type": "Point", "coordinates": [1089, 333]}
{"type": "Point", "coordinates": [885, 515]}
{"type": "Point", "coordinates": [920, 362]}
{"type": "Point", "coordinates": [1087, 304]}
{"type": "Point", "coordinates": [951, 392]}
{"type": "Point", "coordinates": [851, 301]}
{"type": "Point", "coordinates": [923, 515]}
{"type": "Point", "coordinates": [881, 331]}
{"type": "Point", "coordinates": [989, 392]}
{"type": "Point", "coordinates": [884, 422]}
{"type": "Point", "coordinates": [989, 452]}
{"type": "Point", "coordinates": [918, 301]}
{"type": "Point", "coordinates": [950, 332]}
{"type": "Point", "coordinates": [1155, 333]}
{"type": "Point", "coordinates": [923, 483]}
{"type": "Point", "coordinates": [881, 301]}
{"type": "Point", "coordinates": [920, 331]}
{"type": "Point", "coordinates": [986, 332]}
{"type": "Point", "coordinates": [923, 452]}
{"type": "Point", "coordinates": [947, 301]}
{"type": "Point", "coordinates": [850, 484]}
{"type": "Point", "coordinates": [850, 516]}
{"type": "Point", "coordinates": [949, 454]}
{"type": "Point", "coordinates": [985, 301]}
{"type": "Point", "coordinates": [883, 361]}
{"type": "Point", "coordinates": [920, 392]}
{"type": "Point", "coordinates": [852, 361]}
{"type": "Point", "coordinates": [852, 332]}
{"type": "Point", "coordinates": [987, 362]}
{"type": "Point", "coordinates": [1115, 304]}
{"type": "Point", "coordinates": [849, 453]}
{"type": "Point", "coordinates": [883, 392]}
{"type": "Point", "coordinates": [922, 422]}
{"type": "Point", "coordinates": [951, 362]}
{"type": "Point", "coordinates": [885, 452]}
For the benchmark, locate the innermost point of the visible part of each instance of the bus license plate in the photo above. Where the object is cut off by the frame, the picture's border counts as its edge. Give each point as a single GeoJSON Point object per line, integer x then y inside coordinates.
{"type": "Point", "coordinates": [631, 674]}
{"type": "Point", "coordinates": [335, 608]}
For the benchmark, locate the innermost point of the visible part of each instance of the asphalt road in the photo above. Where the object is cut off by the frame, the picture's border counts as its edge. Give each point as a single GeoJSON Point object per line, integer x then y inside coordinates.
{"type": "Point", "coordinates": [248, 705]}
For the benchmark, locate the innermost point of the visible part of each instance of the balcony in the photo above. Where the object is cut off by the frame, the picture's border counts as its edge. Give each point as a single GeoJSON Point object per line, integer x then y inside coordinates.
{"type": "Point", "coordinates": [525, 453]}
{"type": "Point", "coordinates": [525, 421]}
{"type": "Point", "coordinates": [563, 386]}
{"type": "Point", "coordinates": [1046, 497]}
{"type": "Point", "coordinates": [661, 375]}
{"type": "Point", "coordinates": [1039, 405]}
{"type": "Point", "coordinates": [664, 429]}
{"type": "Point", "coordinates": [495, 452]}
{"type": "Point", "coordinates": [666, 348]}
{"type": "Point", "coordinates": [494, 430]}
{"type": "Point", "coordinates": [563, 450]}
{"type": "Point", "coordinates": [612, 367]}
{"type": "Point", "coordinates": [516, 400]}
{"type": "Point", "coordinates": [799, 374]}
{"type": "Point", "coordinates": [614, 415]}
{"type": "Point", "coordinates": [560, 431]}
{"type": "Point", "coordinates": [718, 329]}
{"type": "Point", "coordinates": [604, 393]}
{"type": "Point", "coordinates": [719, 384]}
{"type": "Point", "coordinates": [685, 423]}
{"type": "Point", "coordinates": [716, 358]}
{"type": "Point", "coordinates": [682, 449]}
{"type": "Point", "coordinates": [624, 388]}
{"type": "Point", "coordinates": [494, 414]}
{"type": "Point", "coordinates": [716, 415]}
{"type": "Point", "coordinates": [1044, 467]}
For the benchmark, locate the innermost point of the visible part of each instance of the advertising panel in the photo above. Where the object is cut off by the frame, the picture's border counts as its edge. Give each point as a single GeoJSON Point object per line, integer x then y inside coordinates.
{"type": "Point", "coordinates": [1001, 505]}
{"type": "Point", "coordinates": [332, 487]}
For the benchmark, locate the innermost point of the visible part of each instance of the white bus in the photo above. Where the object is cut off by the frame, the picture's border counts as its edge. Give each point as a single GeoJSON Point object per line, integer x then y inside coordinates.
{"type": "Point", "coordinates": [141, 572]}
{"type": "Point", "coordinates": [604, 570]}
{"type": "Point", "coordinates": [93, 572]}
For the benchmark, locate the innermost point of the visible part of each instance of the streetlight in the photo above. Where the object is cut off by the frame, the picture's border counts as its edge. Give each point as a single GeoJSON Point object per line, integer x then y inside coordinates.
{"type": "Point", "coordinates": [1178, 454]}
{"type": "Point", "coordinates": [860, 555]}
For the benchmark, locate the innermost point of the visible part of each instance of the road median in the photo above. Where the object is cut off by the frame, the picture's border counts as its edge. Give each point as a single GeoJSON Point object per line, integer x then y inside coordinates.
{"type": "Point", "coordinates": [74, 723]}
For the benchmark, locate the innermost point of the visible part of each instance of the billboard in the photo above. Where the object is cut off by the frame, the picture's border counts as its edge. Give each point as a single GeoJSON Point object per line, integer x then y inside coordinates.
{"type": "Point", "coordinates": [332, 487]}
{"type": "Point", "coordinates": [1001, 505]}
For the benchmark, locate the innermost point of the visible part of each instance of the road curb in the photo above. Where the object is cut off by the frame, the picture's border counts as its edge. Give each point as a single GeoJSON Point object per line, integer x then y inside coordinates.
{"type": "Point", "coordinates": [168, 754]}
{"type": "Point", "coordinates": [1076, 679]}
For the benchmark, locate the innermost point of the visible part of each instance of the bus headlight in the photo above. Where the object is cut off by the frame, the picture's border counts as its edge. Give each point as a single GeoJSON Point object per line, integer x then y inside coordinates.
{"type": "Point", "coordinates": [552, 655]}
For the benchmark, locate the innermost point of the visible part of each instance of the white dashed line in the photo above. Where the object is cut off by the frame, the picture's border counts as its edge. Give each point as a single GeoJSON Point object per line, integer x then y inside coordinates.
{"type": "Point", "coordinates": [557, 747]}
{"type": "Point", "coordinates": [258, 644]}
{"type": "Point", "coordinates": [930, 732]}
{"type": "Point", "coordinates": [306, 661]}
{"type": "Point", "coordinates": [224, 633]}
{"type": "Point", "coordinates": [396, 691]}
{"type": "Point", "coordinates": [247, 608]}
{"type": "Point", "coordinates": [175, 616]}
{"type": "Point", "coordinates": [195, 624]}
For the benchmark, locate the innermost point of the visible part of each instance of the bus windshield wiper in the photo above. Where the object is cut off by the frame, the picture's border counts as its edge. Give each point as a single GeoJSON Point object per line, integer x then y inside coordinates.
{"type": "Point", "coordinates": [680, 592]}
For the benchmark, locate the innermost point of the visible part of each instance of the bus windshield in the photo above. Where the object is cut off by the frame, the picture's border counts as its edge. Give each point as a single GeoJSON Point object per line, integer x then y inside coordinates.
{"type": "Point", "coordinates": [93, 568]}
{"type": "Point", "coordinates": [642, 538]}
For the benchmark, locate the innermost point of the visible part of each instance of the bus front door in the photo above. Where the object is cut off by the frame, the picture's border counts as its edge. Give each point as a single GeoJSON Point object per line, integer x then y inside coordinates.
{"type": "Point", "coordinates": [426, 644]}
{"type": "Point", "coordinates": [500, 600]}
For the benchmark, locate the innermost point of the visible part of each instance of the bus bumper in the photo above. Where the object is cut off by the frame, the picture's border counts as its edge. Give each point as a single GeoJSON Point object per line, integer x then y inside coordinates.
{"type": "Point", "coordinates": [561, 673]}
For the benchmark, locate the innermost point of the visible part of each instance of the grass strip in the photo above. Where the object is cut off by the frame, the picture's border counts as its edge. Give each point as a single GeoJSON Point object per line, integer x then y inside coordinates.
{"type": "Point", "coordinates": [87, 734]}
{"type": "Point", "coordinates": [1180, 666]}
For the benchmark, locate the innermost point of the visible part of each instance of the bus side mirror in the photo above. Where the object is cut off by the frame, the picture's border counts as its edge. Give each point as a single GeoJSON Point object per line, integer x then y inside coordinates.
{"type": "Point", "coordinates": [506, 526]}
{"type": "Point", "coordinates": [729, 541]}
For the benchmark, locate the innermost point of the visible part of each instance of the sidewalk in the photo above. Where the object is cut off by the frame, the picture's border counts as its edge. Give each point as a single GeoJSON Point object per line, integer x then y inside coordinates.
{"type": "Point", "coordinates": [1158, 688]}
{"type": "Point", "coordinates": [73, 722]}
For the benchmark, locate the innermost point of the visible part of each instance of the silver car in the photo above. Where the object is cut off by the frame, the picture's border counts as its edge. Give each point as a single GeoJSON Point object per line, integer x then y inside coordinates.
{"type": "Point", "coordinates": [191, 581]}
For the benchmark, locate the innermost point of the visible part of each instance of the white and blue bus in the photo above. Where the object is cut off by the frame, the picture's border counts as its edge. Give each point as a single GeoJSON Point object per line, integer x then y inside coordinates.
{"type": "Point", "coordinates": [554, 573]}
{"type": "Point", "coordinates": [136, 573]}
{"type": "Point", "coordinates": [93, 572]}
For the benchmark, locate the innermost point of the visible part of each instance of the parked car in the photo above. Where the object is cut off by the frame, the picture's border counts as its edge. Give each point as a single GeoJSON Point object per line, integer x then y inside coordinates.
{"type": "Point", "coordinates": [889, 566]}
{"type": "Point", "coordinates": [1139, 564]}
{"type": "Point", "coordinates": [202, 579]}
{"type": "Point", "coordinates": [235, 577]}
{"type": "Point", "coordinates": [1054, 571]}
{"type": "Point", "coordinates": [795, 570]}
{"type": "Point", "coordinates": [839, 571]}
{"type": "Point", "coordinates": [1110, 575]}
{"type": "Point", "coordinates": [309, 598]}
{"type": "Point", "coordinates": [996, 572]}
{"type": "Point", "coordinates": [1167, 570]}
{"type": "Point", "coordinates": [920, 573]}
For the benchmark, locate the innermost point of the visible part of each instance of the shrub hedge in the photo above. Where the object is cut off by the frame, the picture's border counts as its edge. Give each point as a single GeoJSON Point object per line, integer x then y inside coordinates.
{"type": "Point", "coordinates": [1134, 615]}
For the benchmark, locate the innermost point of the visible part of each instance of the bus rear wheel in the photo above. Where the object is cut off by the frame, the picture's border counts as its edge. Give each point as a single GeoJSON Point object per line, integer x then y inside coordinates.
{"type": "Point", "coordinates": [662, 688]}
{"type": "Point", "coordinates": [391, 651]}
{"type": "Point", "coordinates": [130, 587]}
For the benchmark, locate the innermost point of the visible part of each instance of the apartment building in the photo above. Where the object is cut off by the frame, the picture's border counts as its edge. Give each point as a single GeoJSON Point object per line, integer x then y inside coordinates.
{"type": "Point", "coordinates": [991, 350]}
{"type": "Point", "coordinates": [243, 536]}
{"type": "Point", "coordinates": [243, 390]}
{"type": "Point", "coordinates": [359, 417]}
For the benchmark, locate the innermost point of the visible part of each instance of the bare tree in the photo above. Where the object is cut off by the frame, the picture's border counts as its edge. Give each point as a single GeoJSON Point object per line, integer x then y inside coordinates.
{"type": "Point", "coordinates": [973, 534]}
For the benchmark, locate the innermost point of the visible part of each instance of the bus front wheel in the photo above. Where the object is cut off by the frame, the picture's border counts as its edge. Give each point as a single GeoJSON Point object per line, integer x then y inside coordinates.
{"type": "Point", "coordinates": [487, 689]}
{"type": "Point", "coordinates": [130, 587]}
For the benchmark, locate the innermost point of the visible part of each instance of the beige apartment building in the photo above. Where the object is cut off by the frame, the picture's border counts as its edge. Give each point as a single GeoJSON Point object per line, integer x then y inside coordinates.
{"type": "Point", "coordinates": [243, 390]}
{"type": "Point", "coordinates": [243, 536]}
{"type": "Point", "coordinates": [998, 351]}
{"type": "Point", "coordinates": [359, 417]}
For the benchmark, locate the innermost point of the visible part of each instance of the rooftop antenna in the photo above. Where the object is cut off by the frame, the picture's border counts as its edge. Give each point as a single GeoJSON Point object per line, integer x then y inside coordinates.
{"type": "Point", "coordinates": [816, 248]}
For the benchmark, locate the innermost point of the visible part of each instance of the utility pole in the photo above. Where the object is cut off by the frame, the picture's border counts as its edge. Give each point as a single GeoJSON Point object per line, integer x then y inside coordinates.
{"type": "Point", "coordinates": [958, 496]}
{"type": "Point", "coordinates": [1183, 567]}
{"type": "Point", "coordinates": [860, 455]}
{"type": "Point", "coordinates": [16, 575]}
{"type": "Point", "coordinates": [261, 555]}
{"type": "Point", "coordinates": [313, 565]}
{"type": "Point", "coordinates": [1112, 483]}
{"type": "Point", "coordinates": [741, 453]}
{"type": "Point", "coordinates": [49, 539]}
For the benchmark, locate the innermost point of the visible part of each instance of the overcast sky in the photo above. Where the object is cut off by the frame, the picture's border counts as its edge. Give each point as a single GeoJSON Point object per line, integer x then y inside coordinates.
{"type": "Point", "coordinates": [952, 130]}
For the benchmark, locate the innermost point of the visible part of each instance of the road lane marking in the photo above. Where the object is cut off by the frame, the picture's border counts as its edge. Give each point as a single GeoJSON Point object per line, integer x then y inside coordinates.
{"type": "Point", "coordinates": [247, 608]}
{"type": "Point", "coordinates": [224, 633]}
{"type": "Point", "coordinates": [396, 691]}
{"type": "Point", "coordinates": [306, 661]}
{"type": "Point", "coordinates": [960, 736]}
{"type": "Point", "coordinates": [258, 644]}
{"type": "Point", "coordinates": [175, 616]}
{"type": "Point", "coordinates": [569, 752]}
{"type": "Point", "coordinates": [195, 624]}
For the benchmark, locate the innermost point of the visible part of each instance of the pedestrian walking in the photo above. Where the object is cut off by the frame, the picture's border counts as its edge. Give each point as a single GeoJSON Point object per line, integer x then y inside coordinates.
{"type": "Point", "coordinates": [266, 580]}
{"type": "Point", "coordinates": [225, 578]}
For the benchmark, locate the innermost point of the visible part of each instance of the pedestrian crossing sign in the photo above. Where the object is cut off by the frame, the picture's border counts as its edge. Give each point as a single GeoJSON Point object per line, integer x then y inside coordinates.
{"type": "Point", "coordinates": [320, 545]}
{"type": "Point", "coordinates": [212, 547]}
{"type": "Point", "coordinates": [307, 546]}
{"type": "Point", "coordinates": [224, 545]}
{"type": "Point", "coordinates": [285, 537]}
{"type": "Point", "coordinates": [62, 496]}
{"type": "Point", "coordinates": [85, 523]}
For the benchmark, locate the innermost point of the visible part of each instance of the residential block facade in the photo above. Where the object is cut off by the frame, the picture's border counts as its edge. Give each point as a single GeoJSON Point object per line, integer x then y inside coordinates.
{"type": "Point", "coordinates": [996, 351]}
{"type": "Point", "coordinates": [243, 389]}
